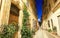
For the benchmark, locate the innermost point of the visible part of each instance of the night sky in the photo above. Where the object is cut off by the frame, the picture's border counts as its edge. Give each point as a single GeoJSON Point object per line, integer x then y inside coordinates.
{"type": "Point", "coordinates": [39, 9]}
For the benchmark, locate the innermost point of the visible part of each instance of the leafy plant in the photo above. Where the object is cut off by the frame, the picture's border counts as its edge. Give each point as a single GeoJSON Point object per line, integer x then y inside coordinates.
{"type": "Point", "coordinates": [26, 32]}
{"type": "Point", "coordinates": [49, 30]}
{"type": "Point", "coordinates": [54, 29]}
{"type": "Point", "coordinates": [8, 31]}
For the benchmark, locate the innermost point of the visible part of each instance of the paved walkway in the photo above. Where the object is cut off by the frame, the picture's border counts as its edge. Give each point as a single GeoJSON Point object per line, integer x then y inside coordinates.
{"type": "Point", "coordinates": [39, 34]}
{"type": "Point", "coordinates": [42, 34]}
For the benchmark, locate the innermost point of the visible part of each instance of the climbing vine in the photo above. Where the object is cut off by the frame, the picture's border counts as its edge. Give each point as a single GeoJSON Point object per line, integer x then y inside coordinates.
{"type": "Point", "coordinates": [26, 31]}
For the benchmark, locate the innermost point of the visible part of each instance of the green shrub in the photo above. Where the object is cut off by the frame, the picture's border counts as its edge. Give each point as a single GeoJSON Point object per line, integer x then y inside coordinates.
{"type": "Point", "coordinates": [8, 31]}
{"type": "Point", "coordinates": [54, 29]}
{"type": "Point", "coordinates": [49, 30]}
{"type": "Point", "coordinates": [26, 32]}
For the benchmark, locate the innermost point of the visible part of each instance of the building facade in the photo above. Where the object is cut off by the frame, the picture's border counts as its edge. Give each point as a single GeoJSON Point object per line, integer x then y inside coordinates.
{"type": "Point", "coordinates": [51, 15]}
{"type": "Point", "coordinates": [12, 11]}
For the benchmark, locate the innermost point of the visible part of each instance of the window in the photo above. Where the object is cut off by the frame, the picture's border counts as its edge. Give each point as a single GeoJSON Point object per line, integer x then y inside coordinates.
{"type": "Point", "coordinates": [0, 3]}
{"type": "Point", "coordinates": [14, 9]}
{"type": "Point", "coordinates": [52, 23]}
{"type": "Point", "coordinates": [59, 20]}
{"type": "Point", "coordinates": [48, 23]}
{"type": "Point", "coordinates": [49, 6]}
{"type": "Point", "coordinates": [46, 3]}
{"type": "Point", "coordinates": [14, 14]}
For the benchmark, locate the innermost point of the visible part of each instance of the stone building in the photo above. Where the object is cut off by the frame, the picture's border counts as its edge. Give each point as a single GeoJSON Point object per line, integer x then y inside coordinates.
{"type": "Point", "coordinates": [51, 15]}
{"type": "Point", "coordinates": [12, 11]}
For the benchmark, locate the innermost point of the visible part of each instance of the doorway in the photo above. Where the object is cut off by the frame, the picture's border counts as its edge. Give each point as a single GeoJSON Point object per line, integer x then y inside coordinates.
{"type": "Point", "coordinates": [14, 14]}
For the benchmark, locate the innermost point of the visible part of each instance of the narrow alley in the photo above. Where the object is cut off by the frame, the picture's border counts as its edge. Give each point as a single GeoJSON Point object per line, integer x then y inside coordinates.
{"type": "Point", "coordinates": [29, 18]}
